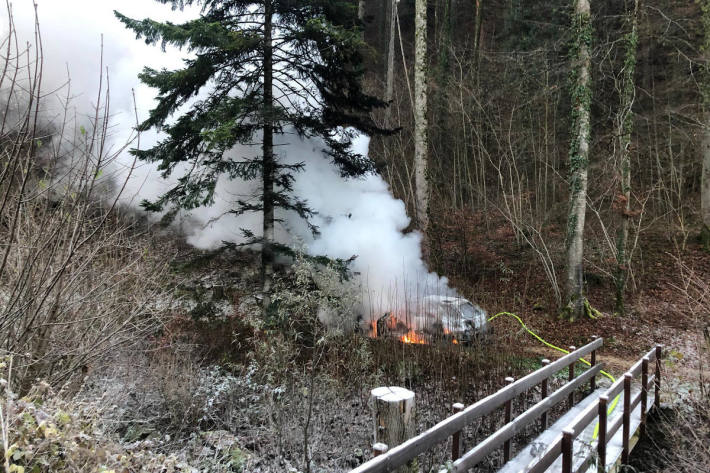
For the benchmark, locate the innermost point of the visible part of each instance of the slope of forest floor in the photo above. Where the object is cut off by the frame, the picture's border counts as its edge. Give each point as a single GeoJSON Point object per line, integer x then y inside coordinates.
{"type": "Point", "coordinates": [502, 275]}
{"type": "Point", "coordinates": [667, 304]}
{"type": "Point", "coordinates": [493, 270]}
{"type": "Point", "coordinates": [267, 420]}
{"type": "Point", "coordinates": [217, 390]}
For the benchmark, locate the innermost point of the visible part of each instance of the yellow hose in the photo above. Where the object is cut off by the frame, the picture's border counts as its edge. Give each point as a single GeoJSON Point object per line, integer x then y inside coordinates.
{"type": "Point", "coordinates": [548, 344]}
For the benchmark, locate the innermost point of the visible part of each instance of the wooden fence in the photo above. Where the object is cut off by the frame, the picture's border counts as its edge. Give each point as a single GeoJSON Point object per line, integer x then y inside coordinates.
{"type": "Point", "coordinates": [563, 444]}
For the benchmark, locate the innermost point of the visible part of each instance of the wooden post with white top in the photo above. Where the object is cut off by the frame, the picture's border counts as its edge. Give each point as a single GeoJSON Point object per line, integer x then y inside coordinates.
{"type": "Point", "coordinates": [393, 410]}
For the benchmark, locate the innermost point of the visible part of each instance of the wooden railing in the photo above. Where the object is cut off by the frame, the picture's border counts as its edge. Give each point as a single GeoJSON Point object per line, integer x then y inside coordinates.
{"type": "Point", "coordinates": [563, 445]}
{"type": "Point", "coordinates": [452, 426]}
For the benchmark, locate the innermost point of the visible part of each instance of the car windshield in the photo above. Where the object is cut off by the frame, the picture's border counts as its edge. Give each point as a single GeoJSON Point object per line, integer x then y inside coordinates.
{"type": "Point", "coordinates": [467, 310]}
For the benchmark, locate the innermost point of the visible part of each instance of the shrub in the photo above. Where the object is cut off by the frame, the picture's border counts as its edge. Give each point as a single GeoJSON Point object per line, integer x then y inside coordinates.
{"type": "Point", "coordinates": [42, 433]}
{"type": "Point", "coordinates": [77, 278]}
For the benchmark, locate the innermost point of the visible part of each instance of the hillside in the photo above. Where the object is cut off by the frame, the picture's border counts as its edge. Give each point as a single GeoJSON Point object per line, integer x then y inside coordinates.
{"type": "Point", "coordinates": [204, 273]}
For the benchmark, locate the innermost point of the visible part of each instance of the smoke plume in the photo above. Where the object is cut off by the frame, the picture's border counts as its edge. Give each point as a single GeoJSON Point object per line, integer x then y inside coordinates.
{"type": "Point", "coordinates": [356, 217]}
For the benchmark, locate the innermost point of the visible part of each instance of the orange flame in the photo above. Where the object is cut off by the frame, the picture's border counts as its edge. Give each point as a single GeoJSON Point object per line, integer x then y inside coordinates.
{"type": "Point", "coordinates": [412, 337]}
{"type": "Point", "coordinates": [448, 332]}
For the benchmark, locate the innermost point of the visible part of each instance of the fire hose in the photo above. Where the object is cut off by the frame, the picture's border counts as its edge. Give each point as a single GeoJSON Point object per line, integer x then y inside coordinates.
{"type": "Point", "coordinates": [550, 345]}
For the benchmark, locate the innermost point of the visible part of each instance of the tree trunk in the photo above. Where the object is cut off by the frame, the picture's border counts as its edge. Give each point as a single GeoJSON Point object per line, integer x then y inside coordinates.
{"type": "Point", "coordinates": [705, 185]}
{"type": "Point", "coordinates": [625, 126]}
{"type": "Point", "coordinates": [579, 159]}
{"type": "Point", "coordinates": [705, 145]}
{"type": "Point", "coordinates": [361, 17]}
{"type": "Point", "coordinates": [441, 111]}
{"type": "Point", "coordinates": [389, 78]}
{"type": "Point", "coordinates": [445, 43]}
{"type": "Point", "coordinates": [421, 139]}
{"type": "Point", "coordinates": [269, 165]}
{"type": "Point", "coordinates": [477, 35]}
{"type": "Point", "coordinates": [394, 416]}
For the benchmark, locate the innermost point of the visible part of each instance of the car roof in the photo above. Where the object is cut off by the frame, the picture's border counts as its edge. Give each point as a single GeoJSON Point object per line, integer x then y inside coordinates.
{"type": "Point", "coordinates": [445, 299]}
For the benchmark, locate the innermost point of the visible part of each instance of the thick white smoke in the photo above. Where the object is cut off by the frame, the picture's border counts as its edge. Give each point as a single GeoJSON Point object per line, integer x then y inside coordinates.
{"type": "Point", "coordinates": [357, 217]}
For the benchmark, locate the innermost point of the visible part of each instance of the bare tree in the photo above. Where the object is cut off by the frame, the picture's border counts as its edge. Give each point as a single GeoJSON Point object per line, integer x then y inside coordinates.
{"type": "Point", "coordinates": [578, 157]}
{"type": "Point", "coordinates": [76, 279]}
{"type": "Point", "coordinates": [625, 123]}
{"type": "Point", "coordinates": [421, 140]}
{"type": "Point", "coordinates": [389, 73]}
{"type": "Point", "coordinates": [705, 143]}
{"type": "Point", "coordinates": [477, 32]}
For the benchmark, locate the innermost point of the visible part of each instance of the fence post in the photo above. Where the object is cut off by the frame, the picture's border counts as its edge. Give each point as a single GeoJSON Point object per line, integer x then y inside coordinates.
{"type": "Point", "coordinates": [379, 448]}
{"type": "Point", "coordinates": [456, 438]}
{"type": "Point", "coordinates": [593, 381]}
{"type": "Point", "coordinates": [657, 379]}
{"type": "Point", "coordinates": [508, 415]}
{"type": "Point", "coordinates": [601, 446]}
{"type": "Point", "coordinates": [393, 410]}
{"type": "Point", "coordinates": [543, 417]}
{"type": "Point", "coordinates": [644, 393]}
{"type": "Point", "coordinates": [627, 419]}
{"type": "Point", "coordinates": [570, 378]}
{"type": "Point", "coordinates": [567, 441]}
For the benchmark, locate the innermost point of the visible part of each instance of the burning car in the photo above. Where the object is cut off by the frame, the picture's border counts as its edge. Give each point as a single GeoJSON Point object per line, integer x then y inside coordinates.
{"type": "Point", "coordinates": [436, 317]}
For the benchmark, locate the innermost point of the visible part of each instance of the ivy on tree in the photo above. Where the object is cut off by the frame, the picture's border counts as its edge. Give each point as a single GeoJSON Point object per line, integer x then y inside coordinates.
{"type": "Point", "coordinates": [258, 69]}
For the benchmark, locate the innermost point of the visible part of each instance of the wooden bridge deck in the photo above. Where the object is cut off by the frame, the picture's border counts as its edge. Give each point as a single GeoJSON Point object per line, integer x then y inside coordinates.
{"type": "Point", "coordinates": [584, 449]}
{"type": "Point", "coordinates": [600, 429]}
{"type": "Point", "coordinates": [532, 452]}
{"type": "Point", "coordinates": [615, 445]}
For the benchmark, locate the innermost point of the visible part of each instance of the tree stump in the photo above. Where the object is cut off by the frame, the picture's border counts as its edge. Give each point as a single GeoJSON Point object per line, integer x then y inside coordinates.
{"type": "Point", "coordinates": [394, 415]}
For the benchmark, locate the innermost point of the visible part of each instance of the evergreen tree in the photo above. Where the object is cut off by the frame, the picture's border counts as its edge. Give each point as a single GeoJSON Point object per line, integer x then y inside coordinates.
{"type": "Point", "coordinates": [261, 68]}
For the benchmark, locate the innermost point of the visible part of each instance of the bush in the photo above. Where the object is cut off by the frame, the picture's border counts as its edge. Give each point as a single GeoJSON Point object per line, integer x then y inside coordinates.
{"type": "Point", "coordinates": [41, 433]}
{"type": "Point", "coordinates": [679, 440]}
{"type": "Point", "coordinates": [77, 278]}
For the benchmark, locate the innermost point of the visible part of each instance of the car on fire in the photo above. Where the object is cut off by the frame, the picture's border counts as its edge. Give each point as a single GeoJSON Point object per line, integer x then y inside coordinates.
{"type": "Point", "coordinates": [436, 317]}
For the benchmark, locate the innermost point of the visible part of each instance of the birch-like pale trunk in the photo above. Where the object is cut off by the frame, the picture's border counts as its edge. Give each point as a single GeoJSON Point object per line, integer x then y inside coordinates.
{"type": "Point", "coordinates": [421, 139]}
{"type": "Point", "coordinates": [269, 164]}
{"type": "Point", "coordinates": [625, 127]}
{"type": "Point", "coordinates": [579, 160]}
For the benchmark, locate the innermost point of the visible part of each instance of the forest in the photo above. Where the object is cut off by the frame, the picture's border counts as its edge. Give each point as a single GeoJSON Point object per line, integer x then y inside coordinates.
{"type": "Point", "coordinates": [354, 235]}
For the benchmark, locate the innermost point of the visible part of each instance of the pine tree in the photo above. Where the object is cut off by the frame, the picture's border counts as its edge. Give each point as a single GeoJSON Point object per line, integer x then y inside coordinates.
{"type": "Point", "coordinates": [260, 68]}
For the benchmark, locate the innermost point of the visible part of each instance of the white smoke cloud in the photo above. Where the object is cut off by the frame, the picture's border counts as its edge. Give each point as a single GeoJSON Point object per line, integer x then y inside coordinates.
{"type": "Point", "coordinates": [356, 217]}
